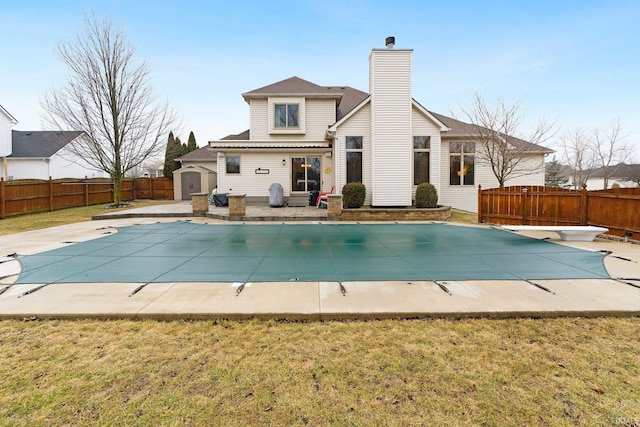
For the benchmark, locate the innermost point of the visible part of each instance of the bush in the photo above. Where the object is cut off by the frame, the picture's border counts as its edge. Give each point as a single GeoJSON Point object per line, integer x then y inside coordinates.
{"type": "Point", "coordinates": [426, 196]}
{"type": "Point", "coordinates": [353, 195]}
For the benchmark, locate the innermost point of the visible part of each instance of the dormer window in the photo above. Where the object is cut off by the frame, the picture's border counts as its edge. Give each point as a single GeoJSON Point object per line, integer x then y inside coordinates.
{"type": "Point", "coordinates": [286, 115]}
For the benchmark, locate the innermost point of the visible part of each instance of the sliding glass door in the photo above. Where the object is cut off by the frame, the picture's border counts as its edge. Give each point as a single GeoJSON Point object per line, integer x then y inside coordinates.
{"type": "Point", "coordinates": [305, 174]}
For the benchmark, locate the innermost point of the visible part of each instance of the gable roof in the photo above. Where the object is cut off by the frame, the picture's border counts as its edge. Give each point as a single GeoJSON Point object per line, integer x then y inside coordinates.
{"type": "Point", "coordinates": [347, 97]}
{"type": "Point", "coordinates": [291, 86]}
{"type": "Point", "coordinates": [351, 98]}
{"type": "Point", "coordinates": [201, 154]}
{"type": "Point", "coordinates": [40, 144]}
{"type": "Point", "coordinates": [460, 129]}
{"type": "Point", "coordinates": [9, 116]}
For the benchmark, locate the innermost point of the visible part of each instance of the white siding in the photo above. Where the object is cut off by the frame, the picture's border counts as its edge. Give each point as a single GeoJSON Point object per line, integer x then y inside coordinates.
{"type": "Point", "coordinates": [259, 117]}
{"type": "Point", "coordinates": [66, 165]}
{"type": "Point", "coordinates": [423, 126]}
{"type": "Point", "coordinates": [357, 125]}
{"type": "Point", "coordinates": [465, 197]}
{"type": "Point", "coordinates": [319, 114]}
{"type": "Point", "coordinates": [56, 167]}
{"type": "Point", "coordinates": [534, 171]}
{"type": "Point", "coordinates": [252, 184]}
{"type": "Point", "coordinates": [5, 135]}
{"type": "Point", "coordinates": [391, 141]}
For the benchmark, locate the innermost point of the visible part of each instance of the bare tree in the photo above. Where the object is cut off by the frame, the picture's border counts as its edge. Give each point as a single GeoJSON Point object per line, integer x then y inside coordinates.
{"type": "Point", "coordinates": [502, 141]}
{"type": "Point", "coordinates": [579, 155]}
{"type": "Point", "coordinates": [108, 96]}
{"type": "Point", "coordinates": [609, 149]}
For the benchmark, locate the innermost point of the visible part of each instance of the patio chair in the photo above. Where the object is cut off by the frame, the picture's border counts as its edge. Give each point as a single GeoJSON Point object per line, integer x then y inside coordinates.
{"type": "Point", "coordinates": [323, 198]}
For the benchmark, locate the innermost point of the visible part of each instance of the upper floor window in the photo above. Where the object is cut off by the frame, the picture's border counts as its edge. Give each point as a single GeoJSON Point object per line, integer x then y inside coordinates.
{"type": "Point", "coordinates": [286, 115]}
{"type": "Point", "coordinates": [421, 153]}
{"type": "Point", "coordinates": [354, 158]}
{"type": "Point", "coordinates": [462, 163]}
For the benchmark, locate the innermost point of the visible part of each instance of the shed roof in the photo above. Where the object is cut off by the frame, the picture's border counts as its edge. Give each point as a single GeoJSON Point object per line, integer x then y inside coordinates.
{"type": "Point", "coordinates": [201, 154]}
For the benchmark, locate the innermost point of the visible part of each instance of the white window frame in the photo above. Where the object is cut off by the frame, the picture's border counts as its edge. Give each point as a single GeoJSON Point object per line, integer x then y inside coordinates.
{"type": "Point", "coordinates": [354, 150]}
{"type": "Point", "coordinates": [226, 165]}
{"type": "Point", "coordinates": [421, 150]}
{"type": "Point", "coordinates": [461, 155]}
{"type": "Point", "coordinates": [290, 130]}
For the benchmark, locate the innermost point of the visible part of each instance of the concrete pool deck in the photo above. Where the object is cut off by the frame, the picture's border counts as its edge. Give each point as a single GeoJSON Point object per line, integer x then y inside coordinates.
{"type": "Point", "coordinates": [309, 300]}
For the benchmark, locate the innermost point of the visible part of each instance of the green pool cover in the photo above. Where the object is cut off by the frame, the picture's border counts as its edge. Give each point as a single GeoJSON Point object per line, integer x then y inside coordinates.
{"type": "Point", "coordinates": [188, 252]}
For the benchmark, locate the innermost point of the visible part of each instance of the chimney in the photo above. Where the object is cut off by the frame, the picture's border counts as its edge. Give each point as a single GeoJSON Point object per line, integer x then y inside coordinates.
{"type": "Point", "coordinates": [391, 134]}
{"type": "Point", "coordinates": [390, 42]}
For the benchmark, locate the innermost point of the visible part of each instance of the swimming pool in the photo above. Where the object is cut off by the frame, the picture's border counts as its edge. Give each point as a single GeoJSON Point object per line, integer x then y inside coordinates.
{"type": "Point", "coordinates": [187, 252]}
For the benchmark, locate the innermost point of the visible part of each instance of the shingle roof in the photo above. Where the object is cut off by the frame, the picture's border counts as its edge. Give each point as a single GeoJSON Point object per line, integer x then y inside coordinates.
{"type": "Point", "coordinates": [351, 98]}
{"type": "Point", "coordinates": [291, 86]}
{"type": "Point", "coordinates": [242, 136]}
{"type": "Point", "coordinates": [461, 129]}
{"type": "Point", "coordinates": [198, 155]}
{"type": "Point", "coordinates": [621, 170]}
{"type": "Point", "coordinates": [348, 97]}
{"type": "Point", "coordinates": [40, 144]}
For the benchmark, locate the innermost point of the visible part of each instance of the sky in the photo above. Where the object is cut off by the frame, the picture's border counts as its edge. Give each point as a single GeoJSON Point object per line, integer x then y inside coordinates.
{"type": "Point", "coordinates": [573, 62]}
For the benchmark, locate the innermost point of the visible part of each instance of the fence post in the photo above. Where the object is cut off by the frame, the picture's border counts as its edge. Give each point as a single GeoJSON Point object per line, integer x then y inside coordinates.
{"type": "Point", "coordinates": [583, 205]}
{"type": "Point", "coordinates": [50, 195]}
{"type": "Point", "coordinates": [479, 204]}
{"type": "Point", "coordinates": [86, 192]}
{"type": "Point", "coordinates": [523, 206]}
{"type": "Point", "coordinates": [151, 189]}
{"type": "Point", "coordinates": [2, 199]}
{"type": "Point", "coordinates": [134, 188]}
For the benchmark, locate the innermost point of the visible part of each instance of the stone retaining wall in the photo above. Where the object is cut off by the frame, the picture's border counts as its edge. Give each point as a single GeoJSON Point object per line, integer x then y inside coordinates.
{"type": "Point", "coordinates": [397, 214]}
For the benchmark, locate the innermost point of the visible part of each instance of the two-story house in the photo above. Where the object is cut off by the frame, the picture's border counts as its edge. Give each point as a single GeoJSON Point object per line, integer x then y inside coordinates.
{"type": "Point", "coordinates": [309, 137]}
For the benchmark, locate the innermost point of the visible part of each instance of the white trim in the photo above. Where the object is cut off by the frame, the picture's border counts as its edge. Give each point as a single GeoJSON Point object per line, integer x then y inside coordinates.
{"type": "Point", "coordinates": [357, 108]}
{"type": "Point", "coordinates": [9, 116]}
{"type": "Point", "coordinates": [253, 144]}
{"type": "Point", "coordinates": [272, 102]}
{"type": "Point", "coordinates": [442, 126]}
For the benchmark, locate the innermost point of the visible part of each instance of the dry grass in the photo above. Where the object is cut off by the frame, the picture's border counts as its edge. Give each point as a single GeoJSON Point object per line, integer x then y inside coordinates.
{"type": "Point", "coordinates": [552, 372]}
{"type": "Point", "coordinates": [41, 220]}
{"type": "Point", "coordinates": [463, 216]}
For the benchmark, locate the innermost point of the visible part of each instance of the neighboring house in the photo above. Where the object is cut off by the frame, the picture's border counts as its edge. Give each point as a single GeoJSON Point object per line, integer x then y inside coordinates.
{"type": "Point", "coordinates": [44, 155]}
{"type": "Point", "coordinates": [621, 174]}
{"type": "Point", "coordinates": [39, 154]}
{"type": "Point", "coordinates": [6, 122]}
{"type": "Point", "coordinates": [309, 137]}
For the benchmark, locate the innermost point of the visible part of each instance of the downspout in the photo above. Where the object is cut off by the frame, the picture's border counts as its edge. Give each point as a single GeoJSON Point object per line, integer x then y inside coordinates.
{"type": "Point", "coordinates": [336, 159]}
{"type": "Point", "coordinates": [5, 171]}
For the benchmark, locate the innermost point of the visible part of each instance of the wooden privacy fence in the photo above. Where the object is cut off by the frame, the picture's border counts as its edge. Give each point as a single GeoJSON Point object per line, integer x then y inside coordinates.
{"type": "Point", "coordinates": [618, 209]}
{"type": "Point", "coordinates": [28, 196]}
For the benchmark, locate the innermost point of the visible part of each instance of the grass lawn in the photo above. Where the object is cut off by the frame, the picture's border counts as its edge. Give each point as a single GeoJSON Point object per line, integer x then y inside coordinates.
{"type": "Point", "coordinates": [476, 372]}
{"type": "Point", "coordinates": [516, 372]}
{"type": "Point", "coordinates": [36, 221]}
